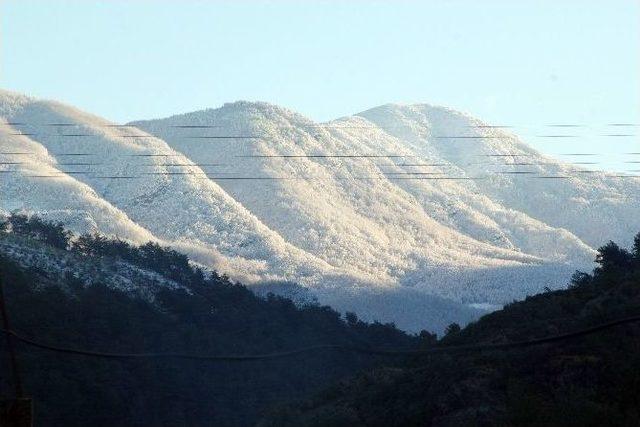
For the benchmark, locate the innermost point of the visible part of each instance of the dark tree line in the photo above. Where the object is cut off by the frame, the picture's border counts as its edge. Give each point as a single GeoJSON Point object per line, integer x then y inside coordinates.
{"type": "Point", "coordinates": [51, 233]}
{"type": "Point", "coordinates": [590, 381]}
{"type": "Point", "coordinates": [210, 315]}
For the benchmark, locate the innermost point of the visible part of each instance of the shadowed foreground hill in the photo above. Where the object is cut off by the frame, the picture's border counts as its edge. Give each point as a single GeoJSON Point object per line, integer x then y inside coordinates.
{"type": "Point", "coordinates": [103, 295]}
{"type": "Point", "coordinates": [592, 380]}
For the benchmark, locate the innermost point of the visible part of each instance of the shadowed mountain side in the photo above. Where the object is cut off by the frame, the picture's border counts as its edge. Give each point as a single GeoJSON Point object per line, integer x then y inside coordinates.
{"type": "Point", "coordinates": [491, 374]}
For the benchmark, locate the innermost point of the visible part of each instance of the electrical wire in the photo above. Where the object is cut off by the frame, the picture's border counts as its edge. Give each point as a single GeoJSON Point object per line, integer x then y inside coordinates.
{"type": "Point", "coordinates": [327, 347]}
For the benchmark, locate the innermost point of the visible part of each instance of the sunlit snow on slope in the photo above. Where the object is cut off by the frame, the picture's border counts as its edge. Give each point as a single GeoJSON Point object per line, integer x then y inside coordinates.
{"type": "Point", "coordinates": [592, 206]}
{"type": "Point", "coordinates": [417, 252]}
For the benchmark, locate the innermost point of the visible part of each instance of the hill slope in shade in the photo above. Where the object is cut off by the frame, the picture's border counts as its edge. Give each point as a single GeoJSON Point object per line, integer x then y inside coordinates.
{"type": "Point", "coordinates": [588, 380]}
{"type": "Point", "coordinates": [354, 230]}
{"type": "Point", "coordinates": [151, 300]}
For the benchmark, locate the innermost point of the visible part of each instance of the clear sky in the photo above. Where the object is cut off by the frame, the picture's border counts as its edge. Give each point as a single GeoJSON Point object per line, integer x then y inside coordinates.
{"type": "Point", "coordinates": [522, 63]}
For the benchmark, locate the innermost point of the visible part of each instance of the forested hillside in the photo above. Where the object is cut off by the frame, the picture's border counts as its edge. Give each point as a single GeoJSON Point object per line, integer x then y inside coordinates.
{"type": "Point", "coordinates": [591, 380]}
{"type": "Point", "coordinates": [92, 293]}
{"type": "Point", "coordinates": [89, 292]}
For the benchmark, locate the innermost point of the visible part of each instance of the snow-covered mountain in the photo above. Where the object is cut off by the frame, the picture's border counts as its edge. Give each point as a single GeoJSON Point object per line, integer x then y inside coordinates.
{"type": "Point", "coordinates": [401, 234]}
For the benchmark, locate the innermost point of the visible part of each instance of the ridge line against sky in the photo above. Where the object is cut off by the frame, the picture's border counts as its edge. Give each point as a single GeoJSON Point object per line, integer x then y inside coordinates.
{"type": "Point", "coordinates": [512, 63]}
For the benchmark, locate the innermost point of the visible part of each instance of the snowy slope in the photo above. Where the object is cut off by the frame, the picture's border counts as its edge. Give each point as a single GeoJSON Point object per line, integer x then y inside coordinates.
{"type": "Point", "coordinates": [364, 214]}
{"type": "Point", "coordinates": [362, 232]}
{"type": "Point", "coordinates": [363, 223]}
{"type": "Point", "coordinates": [58, 265]}
{"type": "Point", "coordinates": [186, 210]}
{"type": "Point", "coordinates": [595, 207]}
{"type": "Point", "coordinates": [31, 182]}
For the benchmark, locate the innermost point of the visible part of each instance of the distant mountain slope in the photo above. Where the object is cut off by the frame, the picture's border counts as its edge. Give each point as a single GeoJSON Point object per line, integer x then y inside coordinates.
{"type": "Point", "coordinates": [357, 208]}
{"type": "Point", "coordinates": [124, 167]}
{"type": "Point", "coordinates": [594, 207]}
{"type": "Point", "coordinates": [25, 184]}
{"type": "Point", "coordinates": [127, 168]}
{"type": "Point", "coordinates": [267, 195]}
{"type": "Point", "coordinates": [363, 212]}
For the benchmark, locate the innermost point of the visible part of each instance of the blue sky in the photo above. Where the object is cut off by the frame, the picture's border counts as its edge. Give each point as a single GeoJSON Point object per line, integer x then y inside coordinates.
{"type": "Point", "coordinates": [524, 63]}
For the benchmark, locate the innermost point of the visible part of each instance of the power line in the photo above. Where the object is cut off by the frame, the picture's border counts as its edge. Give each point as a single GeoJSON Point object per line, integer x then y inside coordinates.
{"type": "Point", "coordinates": [391, 176]}
{"type": "Point", "coordinates": [557, 136]}
{"type": "Point", "coordinates": [565, 126]}
{"type": "Point", "coordinates": [25, 153]}
{"type": "Point", "coordinates": [326, 347]}
{"type": "Point", "coordinates": [312, 125]}
{"type": "Point", "coordinates": [89, 135]}
{"type": "Point", "coordinates": [471, 137]}
{"type": "Point", "coordinates": [326, 155]}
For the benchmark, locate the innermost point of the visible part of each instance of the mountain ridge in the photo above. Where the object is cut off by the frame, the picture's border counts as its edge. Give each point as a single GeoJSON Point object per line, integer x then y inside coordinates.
{"type": "Point", "coordinates": [338, 224]}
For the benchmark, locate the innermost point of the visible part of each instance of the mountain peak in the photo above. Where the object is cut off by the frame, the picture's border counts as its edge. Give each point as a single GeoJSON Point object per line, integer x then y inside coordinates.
{"type": "Point", "coordinates": [237, 111]}
{"type": "Point", "coordinates": [424, 112]}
